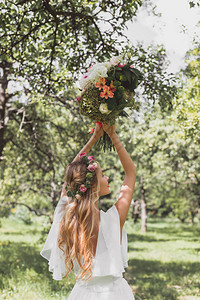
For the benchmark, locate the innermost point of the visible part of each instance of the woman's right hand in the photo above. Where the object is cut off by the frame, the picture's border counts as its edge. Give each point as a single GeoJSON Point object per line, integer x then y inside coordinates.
{"type": "Point", "coordinates": [110, 130]}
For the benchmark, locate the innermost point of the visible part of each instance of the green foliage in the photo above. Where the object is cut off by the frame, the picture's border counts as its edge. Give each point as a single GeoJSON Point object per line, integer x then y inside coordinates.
{"type": "Point", "coordinates": [187, 105]}
{"type": "Point", "coordinates": [158, 86]}
{"type": "Point", "coordinates": [47, 132]}
{"type": "Point", "coordinates": [194, 3]}
{"type": "Point", "coordinates": [23, 214]}
{"type": "Point", "coordinates": [49, 41]}
{"type": "Point", "coordinates": [46, 226]}
{"type": "Point", "coordinates": [168, 162]}
{"type": "Point", "coordinates": [4, 211]}
{"type": "Point", "coordinates": [35, 159]}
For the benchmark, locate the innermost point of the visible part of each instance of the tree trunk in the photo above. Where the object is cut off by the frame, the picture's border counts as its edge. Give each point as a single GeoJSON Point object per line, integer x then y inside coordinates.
{"type": "Point", "coordinates": [5, 68]}
{"type": "Point", "coordinates": [54, 192]}
{"type": "Point", "coordinates": [143, 208]}
{"type": "Point", "coordinates": [192, 216]}
{"type": "Point", "coordinates": [135, 211]}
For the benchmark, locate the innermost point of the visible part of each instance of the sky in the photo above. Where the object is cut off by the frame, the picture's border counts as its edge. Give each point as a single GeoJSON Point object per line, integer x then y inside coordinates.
{"type": "Point", "coordinates": [175, 29]}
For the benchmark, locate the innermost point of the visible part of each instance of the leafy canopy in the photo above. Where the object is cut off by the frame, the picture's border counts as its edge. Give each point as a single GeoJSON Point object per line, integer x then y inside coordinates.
{"type": "Point", "coordinates": [45, 38]}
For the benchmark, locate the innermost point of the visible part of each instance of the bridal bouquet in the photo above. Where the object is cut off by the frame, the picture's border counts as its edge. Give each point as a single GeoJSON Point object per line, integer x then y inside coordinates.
{"type": "Point", "coordinates": [106, 89]}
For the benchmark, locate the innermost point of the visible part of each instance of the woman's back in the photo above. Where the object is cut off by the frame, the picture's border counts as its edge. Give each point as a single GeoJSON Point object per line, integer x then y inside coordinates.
{"type": "Point", "coordinates": [111, 258]}
{"type": "Point", "coordinates": [111, 254]}
{"type": "Point", "coordinates": [108, 264]}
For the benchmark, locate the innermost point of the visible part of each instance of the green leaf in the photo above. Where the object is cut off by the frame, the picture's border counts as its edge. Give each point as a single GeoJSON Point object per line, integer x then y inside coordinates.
{"type": "Point", "coordinates": [136, 72]}
{"type": "Point", "coordinates": [123, 114]}
{"type": "Point", "coordinates": [192, 4]}
{"type": "Point", "coordinates": [127, 73]}
{"type": "Point", "coordinates": [111, 103]}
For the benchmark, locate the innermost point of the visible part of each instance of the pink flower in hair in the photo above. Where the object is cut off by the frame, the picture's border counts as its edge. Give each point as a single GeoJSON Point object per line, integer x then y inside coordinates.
{"type": "Point", "coordinates": [78, 99]}
{"type": "Point", "coordinates": [95, 165]}
{"type": "Point", "coordinates": [91, 158]}
{"type": "Point", "coordinates": [83, 189]}
{"type": "Point", "coordinates": [91, 168]}
{"type": "Point", "coordinates": [83, 154]}
{"type": "Point", "coordinates": [78, 197]}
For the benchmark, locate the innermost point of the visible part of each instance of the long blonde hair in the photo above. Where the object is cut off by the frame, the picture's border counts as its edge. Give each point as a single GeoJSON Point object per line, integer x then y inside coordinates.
{"type": "Point", "coordinates": [77, 226]}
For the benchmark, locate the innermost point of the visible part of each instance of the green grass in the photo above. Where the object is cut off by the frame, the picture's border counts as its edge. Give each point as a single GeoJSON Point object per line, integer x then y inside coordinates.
{"type": "Point", "coordinates": [163, 264]}
{"type": "Point", "coordinates": [24, 273]}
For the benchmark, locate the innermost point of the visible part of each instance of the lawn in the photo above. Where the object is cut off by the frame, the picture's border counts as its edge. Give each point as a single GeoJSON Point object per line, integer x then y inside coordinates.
{"type": "Point", "coordinates": [163, 264]}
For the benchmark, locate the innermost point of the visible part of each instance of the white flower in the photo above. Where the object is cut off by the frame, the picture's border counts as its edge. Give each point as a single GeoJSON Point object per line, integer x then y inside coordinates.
{"type": "Point", "coordinates": [93, 74]}
{"type": "Point", "coordinates": [106, 64]}
{"type": "Point", "coordinates": [84, 82]}
{"type": "Point", "coordinates": [104, 108]}
{"type": "Point", "coordinates": [115, 60]}
{"type": "Point", "coordinates": [98, 72]}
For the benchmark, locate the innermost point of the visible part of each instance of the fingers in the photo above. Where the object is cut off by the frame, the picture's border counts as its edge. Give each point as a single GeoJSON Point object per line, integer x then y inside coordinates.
{"type": "Point", "coordinates": [97, 126]}
{"type": "Point", "coordinates": [109, 129]}
{"type": "Point", "coordinates": [105, 125]}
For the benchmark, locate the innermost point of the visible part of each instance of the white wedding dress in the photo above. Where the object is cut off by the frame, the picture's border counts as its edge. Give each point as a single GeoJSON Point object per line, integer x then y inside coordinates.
{"type": "Point", "coordinates": [107, 282]}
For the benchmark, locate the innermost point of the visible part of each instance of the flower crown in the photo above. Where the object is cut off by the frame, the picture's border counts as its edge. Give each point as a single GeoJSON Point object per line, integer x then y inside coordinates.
{"type": "Point", "coordinates": [82, 188]}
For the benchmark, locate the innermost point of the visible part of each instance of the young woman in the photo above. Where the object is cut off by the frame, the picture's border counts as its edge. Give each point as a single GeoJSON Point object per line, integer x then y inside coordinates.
{"type": "Point", "coordinates": [93, 243]}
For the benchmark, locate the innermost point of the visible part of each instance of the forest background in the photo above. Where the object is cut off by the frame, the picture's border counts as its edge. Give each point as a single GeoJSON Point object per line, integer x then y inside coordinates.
{"type": "Point", "coordinates": [45, 45]}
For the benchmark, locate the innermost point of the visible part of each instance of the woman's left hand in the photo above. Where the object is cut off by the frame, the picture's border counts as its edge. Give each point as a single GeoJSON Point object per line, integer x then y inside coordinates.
{"type": "Point", "coordinates": [98, 132]}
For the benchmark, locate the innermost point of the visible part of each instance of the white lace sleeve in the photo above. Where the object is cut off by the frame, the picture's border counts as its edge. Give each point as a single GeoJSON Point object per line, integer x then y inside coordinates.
{"type": "Point", "coordinates": [51, 250]}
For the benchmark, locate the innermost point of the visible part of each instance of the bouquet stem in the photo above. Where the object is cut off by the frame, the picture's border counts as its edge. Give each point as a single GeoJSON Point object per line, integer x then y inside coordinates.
{"type": "Point", "coordinates": [105, 143]}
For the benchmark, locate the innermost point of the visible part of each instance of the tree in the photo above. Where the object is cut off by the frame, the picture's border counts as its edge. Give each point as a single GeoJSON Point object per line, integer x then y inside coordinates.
{"type": "Point", "coordinates": [6, 109]}
{"type": "Point", "coordinates": [187, 105]}
{"type": "Point", "coordinates": [170, 164]}
{"type": "Point", "coordinates": [45, 38]}
{"type": "Point", "coordinates": [44, 142]}
{"type": "Point", "coordinates": [44, 44]}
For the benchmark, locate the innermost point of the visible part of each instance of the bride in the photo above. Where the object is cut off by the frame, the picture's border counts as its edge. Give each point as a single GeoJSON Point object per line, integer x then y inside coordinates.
{"type": "Point", "coordinates": [85, 239]}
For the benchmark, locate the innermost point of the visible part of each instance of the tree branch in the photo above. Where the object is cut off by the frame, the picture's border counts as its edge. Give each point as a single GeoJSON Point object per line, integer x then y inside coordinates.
{"type": "Point", "coordinates": [37, 212]}
{"type": "Point", "coordinates": [197, 178]}
{"type": "Point", "coordinates": [73, 15]}
{"type": "Point", "coordinates": [52, 53]}
{"type": "Point", "coordinates": [22, 122]}
{"type": "Point", "coordinates": [24, 37]}
{"type": "Point", "coordinates": [22, 2]}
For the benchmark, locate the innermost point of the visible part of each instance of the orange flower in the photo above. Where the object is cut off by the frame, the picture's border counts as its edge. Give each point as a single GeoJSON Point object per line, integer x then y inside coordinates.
{"type": "Point", "coordinates": [106, 92]}
{"type": "Point", "coordinates": [113, 88]}
{"type": "Point", "coordinates": [100, 84]}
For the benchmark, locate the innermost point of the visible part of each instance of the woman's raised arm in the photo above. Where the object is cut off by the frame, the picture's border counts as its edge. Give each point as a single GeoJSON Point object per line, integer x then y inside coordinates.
{"type": "Point", "coordinates": [126, 193]}
{"type": "Point", "coordinates": [98, 132]}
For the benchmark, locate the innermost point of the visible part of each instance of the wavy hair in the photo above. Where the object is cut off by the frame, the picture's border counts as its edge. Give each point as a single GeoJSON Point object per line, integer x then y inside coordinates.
{"type": "Point", "coordinates": [78, 224]}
